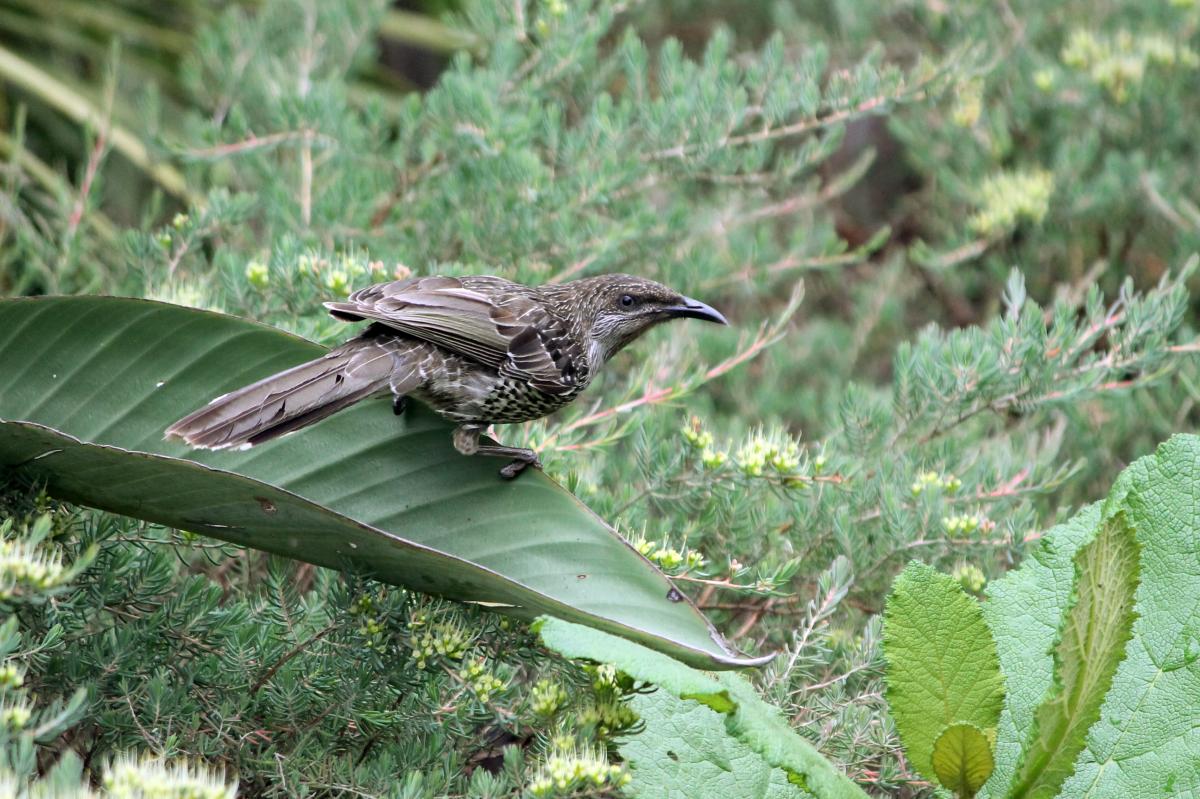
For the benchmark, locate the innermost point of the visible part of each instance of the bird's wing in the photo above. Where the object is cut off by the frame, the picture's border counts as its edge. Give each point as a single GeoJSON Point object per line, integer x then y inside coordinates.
{"type": "Point", "coordinates": [441, 310]}
{"type": "Point", "coordinates": [543, 352]}
{"type": "Point", "coordinates": [487, 319]}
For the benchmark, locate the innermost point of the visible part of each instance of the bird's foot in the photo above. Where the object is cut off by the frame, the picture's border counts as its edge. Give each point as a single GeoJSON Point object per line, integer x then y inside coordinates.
{"type": "Point", "coordinates": [399, 405]}
{"type": "Point", "coordinates": [466, 441]}
{"type": "Point", "coordinates": [513, 469]}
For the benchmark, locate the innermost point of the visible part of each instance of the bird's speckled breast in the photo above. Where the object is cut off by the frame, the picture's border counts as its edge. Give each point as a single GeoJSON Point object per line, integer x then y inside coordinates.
{"type": "Point", "coordinates": [466, 392]}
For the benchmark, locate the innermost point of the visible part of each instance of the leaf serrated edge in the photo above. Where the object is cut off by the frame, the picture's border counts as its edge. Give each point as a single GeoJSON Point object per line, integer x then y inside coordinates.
{"type": "Point", "coordinates": [1027, 778]}
{"type": "Point", "coordinates": [994, 702]}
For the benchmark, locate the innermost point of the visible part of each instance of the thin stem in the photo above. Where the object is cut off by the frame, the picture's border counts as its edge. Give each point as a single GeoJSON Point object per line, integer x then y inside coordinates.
{"type": "Point", "coordinates": [49, 180]}
{"type": "Point", "coordinates": [252, 143]}
{"type": "Point", "coordinates": [296, 650]}
{"type": "Point", "coordinates": [306, 179]}
{"type": "Point", "coordinates": [784, 131]}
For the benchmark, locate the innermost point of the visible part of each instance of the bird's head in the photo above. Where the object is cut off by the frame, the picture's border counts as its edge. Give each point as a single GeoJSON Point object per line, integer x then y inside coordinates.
{"type": "Point", "coordinates": [616, 309]}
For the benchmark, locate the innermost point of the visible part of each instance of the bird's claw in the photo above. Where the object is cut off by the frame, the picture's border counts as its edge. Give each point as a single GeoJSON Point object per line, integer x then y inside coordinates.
{"type": "Point", "coordinates": [513, 469]}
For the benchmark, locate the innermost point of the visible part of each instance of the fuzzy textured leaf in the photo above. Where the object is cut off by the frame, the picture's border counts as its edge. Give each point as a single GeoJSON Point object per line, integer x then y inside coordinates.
{"type": "Point", "coordinates": [1092, 645]}
{"type": "Point", "coordinates": [91, 382]}
{"type": "Point", "coordinates": [962, 758]}
{"type": "Point", "coordinates": [747, 717]}
{"type": "Point", "coordinates": [1148, 730]}
{"type": "Point", "coordinates": [1024, 611]}
{"type": "Point", "coordinates": [942, 662]}
{"type": "Point", "coordinates": [686, 753]}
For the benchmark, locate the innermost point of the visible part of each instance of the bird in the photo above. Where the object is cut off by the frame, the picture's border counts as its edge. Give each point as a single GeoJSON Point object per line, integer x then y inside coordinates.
{"type": "Point", "coordinates": [478, 349]}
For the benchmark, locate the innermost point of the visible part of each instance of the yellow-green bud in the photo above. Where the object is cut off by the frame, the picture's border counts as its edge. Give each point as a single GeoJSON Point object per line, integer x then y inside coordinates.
{"type": "Point", "coordinates": [337, 281]}
{"type": "Point", "coordinates": [969, 105]}
{"type": "Point", "coordinates": [960, 525]}
{"type": "Point", "coordinates": [696, 436]}
{"type": "Point", "coordinates": [546, 698]}
{"type": "Point", "coordinates": [11, 676]}
{"type": "Point", "coordinates": [970, 577]}
{"type": "Point", "coordinates": [15, 717]}
{"type": "Point", "coordinates": [713, 459]}
{"type": "Point", "coordinates": [1008, 198]}
{"type": "Point", "coordinates": [257, 274]}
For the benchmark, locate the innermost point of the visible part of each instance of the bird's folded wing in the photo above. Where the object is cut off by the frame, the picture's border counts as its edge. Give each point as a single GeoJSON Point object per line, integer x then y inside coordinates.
{"type": "Point", "coordinates": [484, 318]}
{"type": "Point", "coordinates": [546, 356]}
{"type": "Point", "coordinates": [435, 309]}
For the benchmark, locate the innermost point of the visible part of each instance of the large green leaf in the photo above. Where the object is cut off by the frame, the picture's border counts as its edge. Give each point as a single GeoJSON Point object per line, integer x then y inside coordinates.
{"type": "Point", "coordinates": [942, 662]}
{"type": "Point", "coordinates": [686, 752]}
{"type": "Point", "coordinates": [1024, 612]}
{"type": "Point", "coordinates": [1144, 738]}
{"type": "Point", "coordinates": [756, 725]}
{"type": "Point", "coordinates": [1093, 639]}
{"type": "Point", "coordinates": [89, 384]}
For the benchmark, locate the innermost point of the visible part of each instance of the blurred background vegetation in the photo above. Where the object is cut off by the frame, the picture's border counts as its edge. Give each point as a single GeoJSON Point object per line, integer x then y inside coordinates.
{"type": "Point", "coordinates": [954, 239]}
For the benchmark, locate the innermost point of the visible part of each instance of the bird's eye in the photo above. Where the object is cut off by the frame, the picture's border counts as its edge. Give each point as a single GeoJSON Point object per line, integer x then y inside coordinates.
{"type": "Point", "coordinates": [627, 300]}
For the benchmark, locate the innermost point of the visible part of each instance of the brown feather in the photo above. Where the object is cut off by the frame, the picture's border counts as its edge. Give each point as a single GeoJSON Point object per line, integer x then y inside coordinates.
{"type": "Point", "coordinates": [276, 404]}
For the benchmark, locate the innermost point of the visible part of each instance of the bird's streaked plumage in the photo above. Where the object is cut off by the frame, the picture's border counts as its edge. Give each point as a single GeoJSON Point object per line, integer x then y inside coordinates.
{"type": "Point", "coordinates": [478, 350]}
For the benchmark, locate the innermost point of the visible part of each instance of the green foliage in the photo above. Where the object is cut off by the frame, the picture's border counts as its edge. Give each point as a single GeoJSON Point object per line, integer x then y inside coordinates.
{"type": "Point", "coordinates": [31, 717]}
{"type": "Point", "coordinates": [687, 752]}
{"type": "Point", "coordinates": [1098, 662]}
{"type": "Point", "coordinates": [289, 665]}
{"type": "Point", "coordinates": [747, 718]}
{"type": "Point", "coordinates": [943, 673]}
{"type": "Point", "coordinates": [992, 210]}
{"type": "Point", "coordinates": [1146, 703]}
{"type": "Point", "coordinates": [1094, 637]}
{"type": "Point", "coordinates": [1094, 97]}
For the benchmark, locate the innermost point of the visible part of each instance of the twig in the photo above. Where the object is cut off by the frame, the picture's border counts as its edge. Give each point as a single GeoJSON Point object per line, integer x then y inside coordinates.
{"type": "Point", "coordinates": [296, 650]}
{"type": "Point", "coordinates": [768, 134]}
{"type": "Point", "coordinates": [85, 188]}
{"type": "Point", "coordinates": [307, 63]}
{"type": "Point", "coordinates": [252, 143]}
{"type": "Point", "coordinates": [752, 619]}
{"type": "Point", "coordinates": [573, 269]}
{"type": "Point", "coordinates": [51, 182]}
{"type": "Point", "coordinates": [95, 157]}
{"type": "Point", "coordinates": [306, 179]}
{"type": "Point", "coordinates": [966, 252]}
{"type": "Point", "coordinates": [1161, 204]}
{"type": "Point", "coordinates": [1008, 489]}
{"type": "Point", "coordinates": [1191, 346]}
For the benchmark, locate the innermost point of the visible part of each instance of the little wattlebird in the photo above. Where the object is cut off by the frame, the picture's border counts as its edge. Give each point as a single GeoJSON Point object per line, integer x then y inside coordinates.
{"type": "Point", "coordinates": [477, 350]}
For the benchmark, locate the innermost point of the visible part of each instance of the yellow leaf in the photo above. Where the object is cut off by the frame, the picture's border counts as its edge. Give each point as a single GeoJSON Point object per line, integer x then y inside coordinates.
{"type": "Point", "coordinates": [962, 758]}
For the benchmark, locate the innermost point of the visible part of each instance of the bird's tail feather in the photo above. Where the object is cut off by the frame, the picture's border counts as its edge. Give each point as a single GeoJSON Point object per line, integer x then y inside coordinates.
{"type": "Point", "coordinates": [291, 399]}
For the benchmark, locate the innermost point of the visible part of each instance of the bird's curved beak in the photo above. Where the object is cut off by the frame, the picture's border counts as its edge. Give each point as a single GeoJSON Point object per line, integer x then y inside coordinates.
{"type": "Point", "coordinates": [694, 309]}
